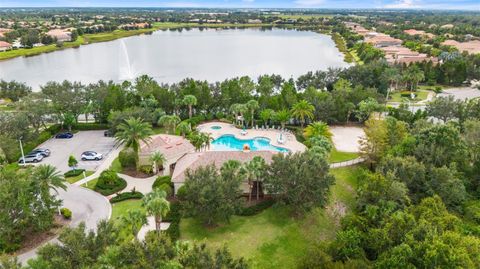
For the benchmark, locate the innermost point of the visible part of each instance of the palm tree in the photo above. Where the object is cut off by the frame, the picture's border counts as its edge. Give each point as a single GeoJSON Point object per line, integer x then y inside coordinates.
{"type": "Point", "coordinates": [157, 159]}
{"type": "Point", "coordinates": [316, 129]}
{"type": "Point", "coordinates": [184, 128]}
{"type": "Point", "coordinates": [196, 140]}
{"type": "Point", "coordinates": [156, 205]}
{"type": "Point", "coordinates": [190, 101]}
{"type": "Point", "coordinates": [266, 115]}
{"type": "Point", "coordinates": [393, 76]}
{"type": "Point", "coordinates": [49, 178]}
{"type": "Point", "coordinates": [169, 121]}
{"type": "Point", "coordinates": [414, 75]}
{"type": "Point", "coordinates": [238, 110]}
{"type": "Point", "coordinates": [303, 110]}
{"type": "Point", "coordinates": [252, 105]}
{"type": "Point", "coordinates": [132, 131]}
{"type": "Point", "coordinates": [231, 168]}
{"type": "Point", "coordinates": [207, 140]}
{"type": "Point", "coordinates": [134, 220]}
{"type": "Point", "coordinates": [282, 116]}
{"type": "Point", "coordinates": [258, 165]}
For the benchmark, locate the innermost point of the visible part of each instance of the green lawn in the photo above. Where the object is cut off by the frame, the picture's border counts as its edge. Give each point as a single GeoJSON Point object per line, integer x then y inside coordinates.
{"type": "Point", "coordinates": [77, 178]}
{"type": "Point", "coordinates": [120, 209]}
{"type": "Point", "coordinates": [116, 166]}
{"type": "Point", "coordinates": [396, 96]}
{"type": "Point", "coordinates": [91, 184]}
{"type": "Point", "coordinates": [340, 156]}
{"type": "Point", "coordinates": [355, 57]}
{"type": "Point", "coordinates": [273, 238]}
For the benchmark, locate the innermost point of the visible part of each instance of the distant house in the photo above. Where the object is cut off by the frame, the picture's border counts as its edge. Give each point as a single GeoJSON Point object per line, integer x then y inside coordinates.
{"type": "Point", "coordinates": [60, 35]}
{"type": "Point", "coordinates": [414, 32]}
{"type": "Point", "coordinates": [447, 26]}
{"type": "Point", "coordinates": [256, 21]}
{"type": "Point", "coordinates": [5, 46]}
{"type": "Point", "coordinates": [193, 161]}
{"type": "Point", "coordinates": [383, 40]}
{"type": "Point", "coordinates": [171, 146]}
{"type": "Point", "coordinates": [471, 47]}
{"type": "Point", "coordinates": [3, 31]}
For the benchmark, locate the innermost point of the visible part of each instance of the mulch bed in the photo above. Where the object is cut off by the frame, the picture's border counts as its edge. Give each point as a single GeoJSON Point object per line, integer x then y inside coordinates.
{"type": "Point", "coordinates": [134, 173]}
{"type": "Point", "coordinates": [34, 240]}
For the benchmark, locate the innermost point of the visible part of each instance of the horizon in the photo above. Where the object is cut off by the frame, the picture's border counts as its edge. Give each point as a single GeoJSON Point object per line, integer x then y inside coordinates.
{"type": "Point", "coordinates": [460, 5]}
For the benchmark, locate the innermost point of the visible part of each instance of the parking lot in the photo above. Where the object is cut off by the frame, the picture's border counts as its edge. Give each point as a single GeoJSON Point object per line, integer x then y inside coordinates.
{"type": "Point", "coordinates": [61, 149]}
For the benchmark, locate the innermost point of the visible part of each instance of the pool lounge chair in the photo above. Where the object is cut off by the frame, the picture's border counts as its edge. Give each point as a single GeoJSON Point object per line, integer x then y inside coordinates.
{"type": "Point", "coordinates": [243, 132]}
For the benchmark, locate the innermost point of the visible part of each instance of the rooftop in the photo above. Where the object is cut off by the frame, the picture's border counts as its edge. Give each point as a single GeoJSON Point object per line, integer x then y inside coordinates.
{"type": "Point", "coordinates": [170, 146]}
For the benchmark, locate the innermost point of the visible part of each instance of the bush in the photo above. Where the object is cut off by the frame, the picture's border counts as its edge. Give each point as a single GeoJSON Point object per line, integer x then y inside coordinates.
{"type": "Point", "coordinates": [146, 169]}
{"type": "Point", "coordinates": [126, 196]}
{"type": "Point", "coordinates": [407, 94]}
{"type": "Point", "coordinates": [74, 173]}
{"type": "Point", "coordinates": [109, 183]}
{"type": "Point", "coordinates": [472, 211]}
{"type": "Point", "coordinates": [127, 158]}
{"type": "Point", "coordinates": [174, 216]}
{"type": "Point", "coordinates": [167, 189]}
{"type": "Point", "coordinates": [162, 180]}
{"type": "Point", "coordinates": [181, 192]}
{"type": "Point", "coordinates": [438, 89]}
{"type": "Point", "coordinates": [255, 209]}
{"type": "Point", "coordinates": [90, 126]}
{"type": "Point", "coordinates": [66, 213]}
{"type": "Point", "coordinates": [196, 120]}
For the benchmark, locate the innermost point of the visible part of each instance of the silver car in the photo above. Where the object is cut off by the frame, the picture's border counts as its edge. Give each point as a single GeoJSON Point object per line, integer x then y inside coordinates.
{"type": "Point", "coordinates": [91, 156]}
{"type": "Point", "coordinates": [31, 158]}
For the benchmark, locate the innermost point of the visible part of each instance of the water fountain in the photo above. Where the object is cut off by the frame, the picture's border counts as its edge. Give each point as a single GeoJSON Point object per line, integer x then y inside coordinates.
{"type": "Point", "coordinates": [126, 72]}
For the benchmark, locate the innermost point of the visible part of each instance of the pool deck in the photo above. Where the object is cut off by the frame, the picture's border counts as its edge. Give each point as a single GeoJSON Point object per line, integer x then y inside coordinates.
{"type": "Point", "coordinates": [290, 143]}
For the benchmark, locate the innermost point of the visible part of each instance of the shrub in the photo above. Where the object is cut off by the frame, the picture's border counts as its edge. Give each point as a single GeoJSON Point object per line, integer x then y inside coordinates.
{"type": "Point", "coordinates": [174, 216]}
{"type": "Point", "coordinates": [109, 183]}
{"type": "Point", "coordinates": [166, 188]}
{"type": "Point", "coordinates": [255, 209]}
{"type": "Point", "coordinates": [146, 169]}
{"type": "Point", "coordinates": [126, 196]}
{"type": "Point", "coordinates": [127, 158]}
{"type": "Point", "coordinates": [66, 213]}
{"type": "Point", "coordinates": [407, 94]}
{"type": "Point", "coordinates": [197, 119]}
{"type": "Point", "coordinates": [90, 126]}
{"type": "Point", "coordinates": [438, 89]}
{"type": "Point", "coordinates": [181, 192]}
{"type": "Point", "coordinates": [74, 173]}
{"type": "Point", "coordinates": [162, 180]}
{"type": "Point", "coordinates": [472, 211]}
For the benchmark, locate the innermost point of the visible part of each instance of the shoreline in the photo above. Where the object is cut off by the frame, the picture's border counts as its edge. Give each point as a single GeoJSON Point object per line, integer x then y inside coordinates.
{"type": "Point", "coordinates": [87, 39]}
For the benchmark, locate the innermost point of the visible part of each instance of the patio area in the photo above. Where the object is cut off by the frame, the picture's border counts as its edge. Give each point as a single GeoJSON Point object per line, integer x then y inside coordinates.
{"type": "Point", "coordinates": [277, 137]}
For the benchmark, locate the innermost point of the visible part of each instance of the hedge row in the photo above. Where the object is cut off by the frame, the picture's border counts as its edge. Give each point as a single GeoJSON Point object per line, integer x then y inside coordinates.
{"type": "Point", "coordinates": [126, 196]}
{"type": "Point", "coordinates": [174, 216]}
{"type": "Point", "coordinates": [109, 183]}
{"type": "Point", "coordinates": [90, 126]}
{"type": "Point", "coordinates": [253, 210]}
{"type": "Point", "coordinates": [74, 173]}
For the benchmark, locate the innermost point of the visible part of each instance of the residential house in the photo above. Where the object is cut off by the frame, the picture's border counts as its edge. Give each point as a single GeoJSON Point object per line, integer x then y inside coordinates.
{"type": "Point", "coordinates": [5, 46]}
{"type": "Point", "coordinates": [471, 47]}
{"type": "Point", "coordinates": [60, 35]}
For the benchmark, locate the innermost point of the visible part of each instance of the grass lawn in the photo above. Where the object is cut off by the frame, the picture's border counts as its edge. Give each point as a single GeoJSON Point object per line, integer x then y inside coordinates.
{"type": "Point", "coordinates": [421, 95]}
{"type": "Point", "coordinates": [355, 57]}
{"type": "Point", "coordinates": [120, 209]}
{"type": "Point", "coordinates": [91, 184]}
{"type": "Point", "coordinates": [273, 238]}
{"type": "Point", "coordinates": [340, 156]}
{"type": "Point", "coordinates": [77, 178]}
{"type": "Point", "coordinates": [159, 130]}
{"type": "Point", "coordinates": [116, 166]}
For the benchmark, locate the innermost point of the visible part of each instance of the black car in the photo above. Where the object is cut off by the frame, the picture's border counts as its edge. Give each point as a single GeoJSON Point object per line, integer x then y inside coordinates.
{"type": "Point", "coordinates": [64, 135]}
{"type": "Point", "coordinates": [42, 151]}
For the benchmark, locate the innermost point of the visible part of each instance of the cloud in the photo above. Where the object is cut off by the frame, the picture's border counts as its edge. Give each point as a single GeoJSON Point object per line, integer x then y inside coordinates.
{"type": "Point", "coordinates": [309, 3]}
{"type": "Point", "coordinates": [403, 4]}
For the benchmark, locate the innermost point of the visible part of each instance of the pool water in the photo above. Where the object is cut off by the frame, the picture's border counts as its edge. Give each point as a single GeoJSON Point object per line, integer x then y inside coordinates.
{"type": "Point", "coordinates": [231, 143]}
{"type": "Point", "coordinates": [216, 127]}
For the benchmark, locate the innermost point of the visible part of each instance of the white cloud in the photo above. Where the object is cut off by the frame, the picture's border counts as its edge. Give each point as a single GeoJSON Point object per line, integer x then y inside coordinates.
{"type": "Point", "coordinates": [403, 4]}
{"type": "Point", "coordinates": [309, 3]}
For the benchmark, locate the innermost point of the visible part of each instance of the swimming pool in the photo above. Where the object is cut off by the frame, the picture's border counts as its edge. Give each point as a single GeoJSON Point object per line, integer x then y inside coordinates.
{"type": "Point", "coordinates": [231, 143]}
{"type": "Point", "coordinates": [216, 127]}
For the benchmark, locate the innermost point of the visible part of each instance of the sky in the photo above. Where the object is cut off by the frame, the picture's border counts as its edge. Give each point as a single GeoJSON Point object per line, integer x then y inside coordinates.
{"type": "Point", "coordinates": [390, 4]}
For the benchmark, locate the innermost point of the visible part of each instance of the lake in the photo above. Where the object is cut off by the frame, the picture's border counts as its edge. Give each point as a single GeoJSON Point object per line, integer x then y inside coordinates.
{"type": "Point", "coordinates": [172, 55]}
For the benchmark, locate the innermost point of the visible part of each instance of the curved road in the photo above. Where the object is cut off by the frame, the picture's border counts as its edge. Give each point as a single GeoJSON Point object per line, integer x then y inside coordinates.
{"type": "Point", "coordinates": [86, 205]}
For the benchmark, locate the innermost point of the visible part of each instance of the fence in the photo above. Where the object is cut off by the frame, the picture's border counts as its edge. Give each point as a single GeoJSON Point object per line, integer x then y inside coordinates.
{"type": "Point", "coordinates": [347, 163]}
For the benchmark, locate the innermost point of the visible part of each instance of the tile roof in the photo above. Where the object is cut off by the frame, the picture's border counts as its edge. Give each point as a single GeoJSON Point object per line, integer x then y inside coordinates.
{"type": "Point", "coordinates": [170, 146]}
{"type": "Point", "coordinates": [195, 160]}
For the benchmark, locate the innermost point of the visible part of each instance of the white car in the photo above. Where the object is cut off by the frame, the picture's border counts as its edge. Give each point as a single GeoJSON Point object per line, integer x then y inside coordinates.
{"type": "Point", "coordinates": [91, 156]}
{"type": "Point", "coordinates": [31, 158]}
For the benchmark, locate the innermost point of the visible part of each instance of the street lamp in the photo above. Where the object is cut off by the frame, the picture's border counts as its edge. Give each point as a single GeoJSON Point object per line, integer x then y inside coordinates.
{"type": "Point", "coordinates": [21, 149]}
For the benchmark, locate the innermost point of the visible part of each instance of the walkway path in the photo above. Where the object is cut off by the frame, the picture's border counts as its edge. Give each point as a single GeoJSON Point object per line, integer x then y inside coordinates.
{"type": "Point", "coordinates": [143, 185]}
{"type": "Point", "coordinates": [347, 163]}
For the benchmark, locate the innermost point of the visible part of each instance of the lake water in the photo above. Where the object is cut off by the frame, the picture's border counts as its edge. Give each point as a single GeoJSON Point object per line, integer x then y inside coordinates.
{"type": "Point", "coordinates": [170, 56]}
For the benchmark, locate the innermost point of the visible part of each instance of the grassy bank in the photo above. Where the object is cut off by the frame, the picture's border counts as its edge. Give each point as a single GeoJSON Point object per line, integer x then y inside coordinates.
{"type": "Point", "coordinates": [342, 47]}
{"type": "Point", "coordinates": [273, 238]}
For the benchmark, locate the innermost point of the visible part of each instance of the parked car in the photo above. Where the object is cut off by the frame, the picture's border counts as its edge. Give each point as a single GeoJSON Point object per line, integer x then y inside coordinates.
{"type": "Point", "coordinates": [31, 158]}
{"type": "Point", "coordinates": [44, 152]}
{"type": "Point", "coordinates": [108, 133]}
{"type": "Point", "coordinates": [91, 156]}
{"type": "Point", "coordinates": [64, 135]}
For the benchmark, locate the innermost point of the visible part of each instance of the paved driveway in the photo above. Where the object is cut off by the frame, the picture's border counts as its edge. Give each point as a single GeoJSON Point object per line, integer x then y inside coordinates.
{"type": "Point", "coordinates": [87, 206]}
{"type": "Point", "coordinates": [61, 149]}
{"type": "Point", "coordinates": [461, 93]}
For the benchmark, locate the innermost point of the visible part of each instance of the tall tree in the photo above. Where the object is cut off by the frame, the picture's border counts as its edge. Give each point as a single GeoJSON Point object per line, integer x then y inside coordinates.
{"type": "Point", "coordinates": [169, 121]}
{"type": "Point", "coordinates": [157, 205]}
{"type": "Point", "coordinates": [190, 101]}
{"type": "Point", "coordinates": [134, 220]}
{"type": "Point", "coordinates": [252, 105]}
{"type": "Point", "coordinates": [157, 158]}
{"type": "Point", "coordinates": [316, 129]}
{"type": "Point", "coordinates": [132, 131]}
{"type": "Point", "coordinates": [282, 116]}
{"type": "Point", "coordinates": [303, 110]}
